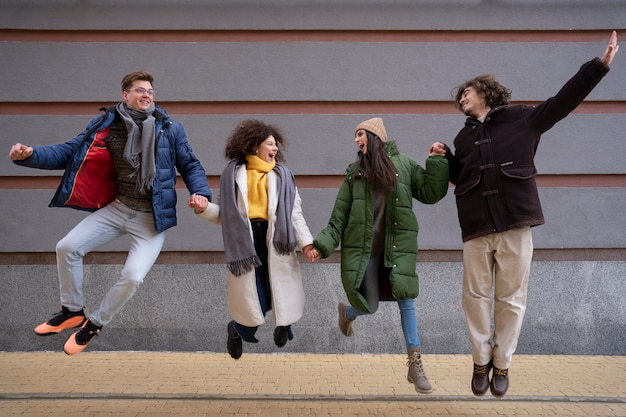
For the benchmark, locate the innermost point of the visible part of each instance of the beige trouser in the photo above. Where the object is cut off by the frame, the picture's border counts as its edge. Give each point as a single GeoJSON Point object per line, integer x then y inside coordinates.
{"type": "Point", "coordinates": [502, 261]}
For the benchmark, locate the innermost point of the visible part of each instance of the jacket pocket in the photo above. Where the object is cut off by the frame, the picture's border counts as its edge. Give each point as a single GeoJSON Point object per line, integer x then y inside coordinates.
{"type": "Point", "coordinates": [523, 172]}
{"type": "Point", "coordinates": [466, 186]}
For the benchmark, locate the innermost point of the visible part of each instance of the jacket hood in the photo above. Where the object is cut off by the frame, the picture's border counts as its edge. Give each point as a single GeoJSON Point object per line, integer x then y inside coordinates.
{"type": "Point", "coordinates": [391, 148]}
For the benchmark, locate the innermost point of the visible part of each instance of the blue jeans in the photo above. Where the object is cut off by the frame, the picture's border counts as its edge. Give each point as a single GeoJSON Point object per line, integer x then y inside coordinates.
{"type": "Point", "coordinates": [407, 318]}
{"type": "Point", "coordinates": [98, 228]}
{"type": "Point", "coordinates": [370, 290]}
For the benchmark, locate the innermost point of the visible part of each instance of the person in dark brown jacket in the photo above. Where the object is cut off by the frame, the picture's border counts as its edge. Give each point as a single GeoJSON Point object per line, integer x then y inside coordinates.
{"type": "Point", "coordinates": [497, 200]}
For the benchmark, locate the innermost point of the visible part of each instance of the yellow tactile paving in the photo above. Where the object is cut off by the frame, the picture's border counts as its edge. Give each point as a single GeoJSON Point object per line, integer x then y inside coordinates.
{"type": "Point", "coordinates": [211, 384]}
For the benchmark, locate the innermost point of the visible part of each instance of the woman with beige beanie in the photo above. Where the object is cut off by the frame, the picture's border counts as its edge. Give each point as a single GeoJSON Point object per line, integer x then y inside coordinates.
{"type": "Point", "coordinates": [373, 219]}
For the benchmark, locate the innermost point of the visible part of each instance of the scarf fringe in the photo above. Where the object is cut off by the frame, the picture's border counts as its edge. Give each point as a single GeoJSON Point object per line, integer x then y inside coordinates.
{"type": "Point", "coordinates": [284, 248]}
{"type": "Point", "coordinates": [240, 267]}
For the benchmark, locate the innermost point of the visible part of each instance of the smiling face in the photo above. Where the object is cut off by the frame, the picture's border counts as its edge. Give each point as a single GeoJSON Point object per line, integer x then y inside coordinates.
{"type": "Point", "coordinates": [139, 96]}
{"type": "Point", "coordinates": [473, 104]}
{"type": "Point", "coordinates": [268, 149]}
{"type": "Point", "coordinates": [360, 138]}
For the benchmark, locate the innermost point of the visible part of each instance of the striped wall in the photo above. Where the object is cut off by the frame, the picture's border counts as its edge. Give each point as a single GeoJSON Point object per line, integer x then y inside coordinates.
{"type": "Point", "coordinates": [317, 85]}
{"type": "Point", "coordinates": [316, 68]}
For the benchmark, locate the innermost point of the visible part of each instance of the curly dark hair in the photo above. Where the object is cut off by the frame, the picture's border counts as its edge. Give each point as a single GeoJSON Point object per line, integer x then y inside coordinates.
{"type": "Point", "coordinates": [248, 135]}
{"type": "Point", "coordinates": [376, 165]}
{"type": "Point", "coordinates": [495, 93]}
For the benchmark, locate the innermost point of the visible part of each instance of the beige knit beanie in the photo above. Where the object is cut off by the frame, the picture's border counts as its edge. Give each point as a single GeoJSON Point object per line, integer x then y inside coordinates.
{"type": "Point", "coordinates": [374, 126]}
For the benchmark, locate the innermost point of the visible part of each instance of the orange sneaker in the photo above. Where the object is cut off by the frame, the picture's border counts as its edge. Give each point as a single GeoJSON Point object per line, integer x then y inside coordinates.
{"type": "Point", "coordinates": [80, 339]}
{"type": "Point", "coordinates": [64, 319]}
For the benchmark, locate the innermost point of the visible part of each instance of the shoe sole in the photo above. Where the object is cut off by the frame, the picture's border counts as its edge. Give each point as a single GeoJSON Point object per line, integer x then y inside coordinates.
{"type": "Point", "coordinates": [44, 329]}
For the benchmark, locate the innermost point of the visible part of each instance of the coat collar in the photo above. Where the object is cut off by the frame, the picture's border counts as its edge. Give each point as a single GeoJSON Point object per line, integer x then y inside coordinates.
{"type": "Point", "coordinates": [472, 121]}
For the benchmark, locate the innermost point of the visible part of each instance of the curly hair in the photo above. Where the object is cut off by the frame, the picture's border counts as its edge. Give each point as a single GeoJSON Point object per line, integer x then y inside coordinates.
{"type": "Point", "coordinates": [129, 79]}
{"type": "Point", "coordinates": [376, 165]}
{"type": "Point", "coordinates": [495, 93]}
{"type": "Point", "coordinates": [248, 135]}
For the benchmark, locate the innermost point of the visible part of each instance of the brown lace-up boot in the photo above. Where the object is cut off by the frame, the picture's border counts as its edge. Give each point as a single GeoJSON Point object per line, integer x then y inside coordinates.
{"type": "Point", "coordinates": [480, 378]}
{"type": "Point", "coordinates": [416, 375]}
{"type": "Point", "coordinates": [499, 382]}
{"type": "Point", "coordinates": [345, 324]}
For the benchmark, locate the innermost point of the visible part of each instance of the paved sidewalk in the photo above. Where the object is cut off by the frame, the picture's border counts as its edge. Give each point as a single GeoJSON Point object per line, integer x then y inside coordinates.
{"type": "Point", "coordinates": [167, 384]}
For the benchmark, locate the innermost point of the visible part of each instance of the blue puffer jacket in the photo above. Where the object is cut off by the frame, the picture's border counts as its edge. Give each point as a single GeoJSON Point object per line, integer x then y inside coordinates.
{"type": "Point", "coordinates": [89, 179]}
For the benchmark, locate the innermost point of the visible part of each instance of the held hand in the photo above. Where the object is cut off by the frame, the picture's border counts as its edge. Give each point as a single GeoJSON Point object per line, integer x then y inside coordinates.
{"type": "Point", "coordinates": [198, 202]}
{"type": "Point", "coordinates": [437, 148]}
{"type": "Point", "coordinates": [20, 152]}
{"type": "Point", "coordinates": [311, 253]}
{"type": "Point", "coordinates": [611, 50]}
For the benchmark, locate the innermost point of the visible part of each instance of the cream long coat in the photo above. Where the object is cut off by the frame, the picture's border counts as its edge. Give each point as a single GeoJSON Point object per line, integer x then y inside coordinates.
{"type": "Point", "coordinates": [284, 270]}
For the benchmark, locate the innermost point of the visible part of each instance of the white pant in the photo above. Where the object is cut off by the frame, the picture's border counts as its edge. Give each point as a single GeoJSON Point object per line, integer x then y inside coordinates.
{"type": "Point", "coordinates": [98, 228]}
{"type": "Point", "coordinates": [501, 261]}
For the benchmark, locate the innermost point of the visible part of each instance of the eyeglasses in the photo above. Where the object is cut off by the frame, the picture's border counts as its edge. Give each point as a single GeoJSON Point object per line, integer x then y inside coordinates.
{"type": "Point", "coordinates": [141, 91]}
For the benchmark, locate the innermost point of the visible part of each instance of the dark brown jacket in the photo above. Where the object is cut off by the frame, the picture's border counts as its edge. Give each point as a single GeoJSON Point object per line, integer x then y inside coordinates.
{"type": "Point", "coordinates": [493, 165]}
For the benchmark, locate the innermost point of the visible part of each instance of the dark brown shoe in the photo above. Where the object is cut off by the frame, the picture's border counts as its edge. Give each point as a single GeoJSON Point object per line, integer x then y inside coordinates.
{"type": "Point", "coordinates": [499, 382]}
{"type": "Point", "coordinates": [480, 380]}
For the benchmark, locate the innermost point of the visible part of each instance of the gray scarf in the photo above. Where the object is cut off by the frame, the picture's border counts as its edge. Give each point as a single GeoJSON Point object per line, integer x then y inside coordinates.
{"type": "Point", "coordinates": [140, 150]}
{"type": "Point", "coordinates": [240, 254]}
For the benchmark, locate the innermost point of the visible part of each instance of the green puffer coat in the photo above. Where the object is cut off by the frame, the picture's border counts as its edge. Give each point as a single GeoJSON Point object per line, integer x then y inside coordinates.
{"type": "Point", "coordinates": [352, 218]}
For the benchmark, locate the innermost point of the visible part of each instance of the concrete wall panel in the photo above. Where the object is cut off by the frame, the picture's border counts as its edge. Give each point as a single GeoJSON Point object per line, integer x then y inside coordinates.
{"type": "Point", "coordinates": [573, 308]}
{"type": "Point", "coordinates": [324, 144]}
{"type": "Point", "coordinates": [575, 218]}
{"type": "Point", "coordinates": [301, 71]}
{"type": "Point", "coordinates": [314, 14]}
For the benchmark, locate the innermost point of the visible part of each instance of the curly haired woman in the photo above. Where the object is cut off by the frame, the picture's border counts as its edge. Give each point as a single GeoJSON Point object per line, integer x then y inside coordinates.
{"type": "Point", "coordinates": [259, 199]}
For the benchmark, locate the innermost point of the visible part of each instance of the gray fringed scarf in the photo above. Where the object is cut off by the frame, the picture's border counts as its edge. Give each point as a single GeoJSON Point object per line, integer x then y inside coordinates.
{"type": "Point", "coordinates": [240, 254]}
{"type": "Point", "coordinates": [139, 151]}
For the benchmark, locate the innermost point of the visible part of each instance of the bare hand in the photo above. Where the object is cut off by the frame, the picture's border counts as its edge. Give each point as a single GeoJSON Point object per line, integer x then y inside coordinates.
{"type": "Point", "coordinates": [437, 148]}
{"type": "Point", "coordinates": [311, 253]}
{"type": "Point", "coordinates": [20, 152]}
{"type": "Point", "coordinates": [198, 202]}
{"type": "Point", "coordinates": [611, 50]}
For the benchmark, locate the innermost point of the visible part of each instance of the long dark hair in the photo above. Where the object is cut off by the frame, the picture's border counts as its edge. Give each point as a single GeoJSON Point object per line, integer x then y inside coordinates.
{"type": "Point", "coordinates": [376, 166]}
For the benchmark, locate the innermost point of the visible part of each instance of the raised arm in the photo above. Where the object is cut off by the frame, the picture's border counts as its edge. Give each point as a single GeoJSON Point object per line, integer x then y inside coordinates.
{"type": "Point", "coordinates": [611, 49]}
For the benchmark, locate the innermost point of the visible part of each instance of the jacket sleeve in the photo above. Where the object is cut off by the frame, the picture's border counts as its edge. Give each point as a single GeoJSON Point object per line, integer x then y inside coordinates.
{"type": "Point", "coordinates": [212, 214]}
{"type": "Point", "coordinates": [56, 156]}
{"type": "Point", "coordinates": [453, 165]}
{"type": "Point", "coordinates": [431, 185]}
{"type": "Point", "coordinates": [548, 113]}
{"type": "Point", "coordinates": [188, 165]}
{"type": "Point", "coordinates": [303, 234]}
{"type": "Point", "coordinates": [330, 237]}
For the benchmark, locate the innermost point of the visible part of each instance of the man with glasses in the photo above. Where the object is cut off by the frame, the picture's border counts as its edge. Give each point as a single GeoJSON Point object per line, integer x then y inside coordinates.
{"type": "Point", "coordinates": [121, 168]}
